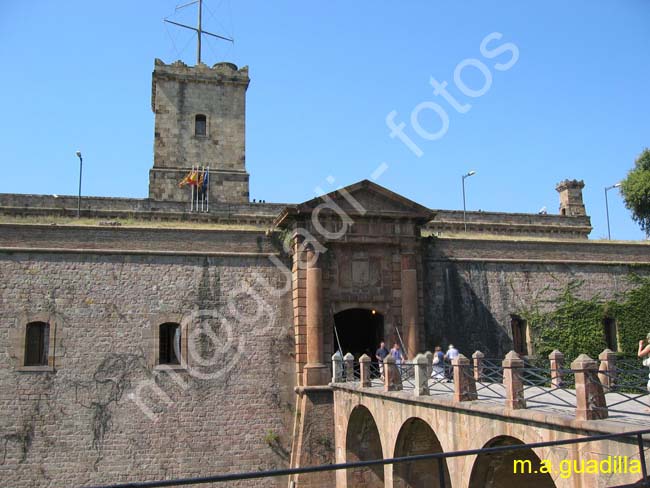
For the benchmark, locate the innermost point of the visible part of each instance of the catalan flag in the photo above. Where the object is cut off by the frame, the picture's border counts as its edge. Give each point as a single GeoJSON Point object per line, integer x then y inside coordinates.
{"type": "Point", "coordinates": [191, 179]}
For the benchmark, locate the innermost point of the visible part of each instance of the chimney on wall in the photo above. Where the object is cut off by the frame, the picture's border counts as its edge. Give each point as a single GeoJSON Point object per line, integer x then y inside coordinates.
{"type": "Point", "coordinates": [571, 203]}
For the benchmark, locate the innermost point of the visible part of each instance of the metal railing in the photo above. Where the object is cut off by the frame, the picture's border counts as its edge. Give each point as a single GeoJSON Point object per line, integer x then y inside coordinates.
{"type": "Point", "coordinates": [440, 457]}
{"type": "Point", "coordinates": [542, 384]}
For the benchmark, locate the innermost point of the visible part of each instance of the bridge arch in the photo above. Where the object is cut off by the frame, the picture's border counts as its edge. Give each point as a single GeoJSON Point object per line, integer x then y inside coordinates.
{"type": "Point", "coordinates": [362, 443]}
{"type": "Point", "coordinates": [417, 437]}
{"type": "Point", "coordinates": [497, 470]}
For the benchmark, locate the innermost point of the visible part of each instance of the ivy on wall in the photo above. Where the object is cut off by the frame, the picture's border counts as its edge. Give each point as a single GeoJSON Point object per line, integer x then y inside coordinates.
{"type": "Point", "coordinates": [575, 325]}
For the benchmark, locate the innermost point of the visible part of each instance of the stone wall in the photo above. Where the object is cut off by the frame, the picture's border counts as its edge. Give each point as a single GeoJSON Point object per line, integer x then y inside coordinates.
{"type": "Point", "coordinates": [49, 206]}
{"type": "Point", "coordinates": [472, 287]}
{"type": "Point", "coordinates": [83, 424]}
{"type": "Point", "coordinates": [510, 224]}
{"type": "Point", "coordinates": [180, 93]}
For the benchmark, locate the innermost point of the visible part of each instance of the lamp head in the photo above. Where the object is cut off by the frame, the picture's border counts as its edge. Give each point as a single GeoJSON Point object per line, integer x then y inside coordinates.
{"type": "Point", "coordinates": [617, 185]}
{"type": "Point", "coordinates": [471, 173]}
{"type": "Point", "coordinates": [78, 153]}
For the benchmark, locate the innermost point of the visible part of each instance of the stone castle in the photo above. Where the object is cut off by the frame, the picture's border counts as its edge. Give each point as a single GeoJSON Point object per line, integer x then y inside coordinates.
{"type": "Point", "coordinates": [149, 340]}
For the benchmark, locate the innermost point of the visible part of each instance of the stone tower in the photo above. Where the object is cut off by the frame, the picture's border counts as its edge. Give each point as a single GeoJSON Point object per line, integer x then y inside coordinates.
{"type": "Point", "coordinates": [200, 119]}
{"type": "Point", "coordinates": [571, 203]}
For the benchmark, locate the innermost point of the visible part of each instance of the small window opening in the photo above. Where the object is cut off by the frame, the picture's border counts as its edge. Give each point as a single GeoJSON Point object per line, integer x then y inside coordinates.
{"type": "Point", "coordinates": [200, 125]}
{"type": "Point", "coordinates": [37, 342]}
{"type": "Point", "coordinates": [611, 335]}
{"type": "Point", "coordinates": [170, 343]}
{"type": "Point", "coordinates": [519, 335]}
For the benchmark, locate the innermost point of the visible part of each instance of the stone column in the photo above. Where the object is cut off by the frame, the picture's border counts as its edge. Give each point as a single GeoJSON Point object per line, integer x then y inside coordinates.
{"type": "Point", "coordinates": [315, 371]}
{"type": "Point", "coordinates": [421, 365]}
{"type": "Point", "coordinates": [557, 360]}
{"type": "Point", "coordinates": [607, 369]}
{"type": "Point", "coordinates": [514, 386]}
{"type": "Point", "coordinates": [410, 304]}
{"type": "Point", "coordinates": [392, 378]}
{"type": "Point", "coordinates": [464, 384]}
{"type": "Point", "coordinates": [478, 365]}
{"type": "Point", "coordinates": [348, 360]}
{"type": "Point", "coordinates": [590, 397]}
{"type": "Point", "coordinates": [364, 370]}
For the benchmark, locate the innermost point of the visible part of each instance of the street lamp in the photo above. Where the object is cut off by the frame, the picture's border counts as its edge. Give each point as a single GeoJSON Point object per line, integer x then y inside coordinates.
{"type": "Point", "coordinates": [607, 188]}
{"type": "Point", "coordinates": [471, 173]}
{"type": "Point", "coordinates": [79, 197]}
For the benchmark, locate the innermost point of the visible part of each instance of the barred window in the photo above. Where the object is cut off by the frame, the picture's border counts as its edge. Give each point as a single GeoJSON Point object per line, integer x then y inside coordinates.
{"type": "Point", "coordinates": [200, 125]}
{"type": "Point", "coordinates": [37, 343]}
{"type": "Point", "coordinates": [170, 343]}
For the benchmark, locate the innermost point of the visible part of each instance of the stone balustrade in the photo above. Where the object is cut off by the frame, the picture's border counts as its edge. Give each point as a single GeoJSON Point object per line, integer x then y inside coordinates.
{"type": "Point", "coordinates": [593, 378]}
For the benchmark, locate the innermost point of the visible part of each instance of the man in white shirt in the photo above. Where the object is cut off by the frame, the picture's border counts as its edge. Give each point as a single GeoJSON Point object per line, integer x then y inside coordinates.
{"type": "Point", "coordinates": [452, 353]}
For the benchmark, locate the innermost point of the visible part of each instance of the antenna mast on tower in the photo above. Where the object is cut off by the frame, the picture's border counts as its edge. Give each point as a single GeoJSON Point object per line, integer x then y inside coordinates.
{"type": "Point", "coordinates": [199, 31]}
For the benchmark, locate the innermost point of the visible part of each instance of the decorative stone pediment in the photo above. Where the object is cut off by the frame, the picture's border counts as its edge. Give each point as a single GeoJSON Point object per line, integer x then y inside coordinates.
{"type": "Point", "coordinates": [360, 201]}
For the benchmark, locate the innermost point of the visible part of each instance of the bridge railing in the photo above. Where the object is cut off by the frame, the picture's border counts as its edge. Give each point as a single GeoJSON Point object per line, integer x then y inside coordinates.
{"type": "Point", "coordinates": [590, 389]}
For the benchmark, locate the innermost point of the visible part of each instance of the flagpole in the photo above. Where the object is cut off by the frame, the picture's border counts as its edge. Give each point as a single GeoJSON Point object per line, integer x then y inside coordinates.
{"type": "Point", "coordinates": [202, 192]}
{"type": "Point", "coordinates": [207, 192]}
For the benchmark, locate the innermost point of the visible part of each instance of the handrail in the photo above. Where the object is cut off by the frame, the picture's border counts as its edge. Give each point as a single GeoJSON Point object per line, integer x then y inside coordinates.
{"type": "Point", "coordinates": [377, 462]}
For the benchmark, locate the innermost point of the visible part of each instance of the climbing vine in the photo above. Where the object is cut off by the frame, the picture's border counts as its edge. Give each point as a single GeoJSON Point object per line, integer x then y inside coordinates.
{"type": "Point", "coordinates": [575, 325]}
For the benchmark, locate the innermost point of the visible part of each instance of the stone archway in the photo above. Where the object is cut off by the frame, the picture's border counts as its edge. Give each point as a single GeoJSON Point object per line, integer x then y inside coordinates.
{"type": "Point", "coordinates": [359, 331]}
{"type": "Point", "coordinates": [362, 443]}
{"type": "Point", "coordinates": [416, 437]}
{"type": "Point", "coordinates": [498, 470]}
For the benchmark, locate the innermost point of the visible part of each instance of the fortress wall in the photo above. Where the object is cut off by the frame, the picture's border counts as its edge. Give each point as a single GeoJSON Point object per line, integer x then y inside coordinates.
{"type": "Point", "coordinates": [81, 424]}
{"type": "Point", "coordinates": [18, 204]}
{"type": "Point", "coordinates": [471, 287]}
{"type": "Point", "coordinates": [134, 239]}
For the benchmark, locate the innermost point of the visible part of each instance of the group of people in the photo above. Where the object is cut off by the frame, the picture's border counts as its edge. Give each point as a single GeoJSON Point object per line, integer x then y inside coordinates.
{"type": "Point", "coordinates": [439, 358]}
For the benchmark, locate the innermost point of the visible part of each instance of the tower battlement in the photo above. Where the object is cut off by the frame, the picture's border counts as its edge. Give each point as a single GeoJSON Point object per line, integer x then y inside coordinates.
{"type": "Point", "coordinates": [219, 73]}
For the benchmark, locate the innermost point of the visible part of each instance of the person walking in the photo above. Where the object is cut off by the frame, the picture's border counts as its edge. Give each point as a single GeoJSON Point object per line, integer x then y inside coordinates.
{"type": "Point", "coordinates": [438, 364]}
{"type": "Point", "coordinates": [380, 355]}
{"type": "Point", "coordinates": [452, 353]}
{"type": "Point", "coordinates": [396, 352]}
{"type": "Point", "coordinates": [644, 353]}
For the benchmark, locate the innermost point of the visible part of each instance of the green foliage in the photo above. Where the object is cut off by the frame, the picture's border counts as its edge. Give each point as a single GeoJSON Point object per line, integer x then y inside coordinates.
{"type": "Point", "coordinates": [635, 189]}
{"type": "Point", "coordinates": [633, 315]}
{"type": "Point", "coordinates": [575, 326]}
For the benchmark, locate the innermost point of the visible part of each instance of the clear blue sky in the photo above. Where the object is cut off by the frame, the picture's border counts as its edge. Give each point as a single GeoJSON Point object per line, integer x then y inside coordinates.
{"type": "Point", "coordinates": [324, 76]}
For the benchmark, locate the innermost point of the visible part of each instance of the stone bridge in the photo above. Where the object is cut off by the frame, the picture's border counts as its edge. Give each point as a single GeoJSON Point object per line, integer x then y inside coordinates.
{"type": "Point", "coordinates": [410, 412]}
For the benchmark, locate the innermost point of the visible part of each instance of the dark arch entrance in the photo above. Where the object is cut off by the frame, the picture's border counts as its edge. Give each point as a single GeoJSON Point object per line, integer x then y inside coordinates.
{"type": "Point", "coordinates": [359, 331]}
{"type": "Point", "coordinates": [416, 437]}
{"type": "Point", "coordinates": [497, 470]}
{"type": "Point", "coordinates": [362, 443]}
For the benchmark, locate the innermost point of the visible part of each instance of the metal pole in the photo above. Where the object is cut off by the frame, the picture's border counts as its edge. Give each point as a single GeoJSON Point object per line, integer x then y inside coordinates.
{"type": "Point", "coordinates": [609, 234]}
{"type": "Point", "coordinates": [198, 33]}
{"type": "Point", "coordinates": [441, 473]}
{"type": "Point", "coordinates": [464, 207]}
{"type": "Point", "coordinates": [79, 196]}
{"type": "Point", "coordinates": [644, 469]}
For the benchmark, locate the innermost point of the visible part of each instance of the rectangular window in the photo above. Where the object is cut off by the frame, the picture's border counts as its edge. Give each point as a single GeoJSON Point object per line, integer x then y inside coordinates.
{"type": "Point", "coordinates": [37, 341]}
{"type": "Point", "coordinates": [611, 335]}
{"type": "Point", "coordinates": [170, 343]}
{"type": "Point", "coordinates": [200, 125]}
{"type": "Point", "coordinates": [519, 335]}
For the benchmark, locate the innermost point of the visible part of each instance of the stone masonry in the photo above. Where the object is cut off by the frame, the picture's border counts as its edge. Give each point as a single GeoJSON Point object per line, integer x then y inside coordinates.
{"type": "Point", "coordinates": [179, 94]}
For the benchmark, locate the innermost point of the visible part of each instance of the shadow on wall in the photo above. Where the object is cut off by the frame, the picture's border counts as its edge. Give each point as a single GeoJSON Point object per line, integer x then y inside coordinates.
{"type": "Point", "coordinates": [459, 312]}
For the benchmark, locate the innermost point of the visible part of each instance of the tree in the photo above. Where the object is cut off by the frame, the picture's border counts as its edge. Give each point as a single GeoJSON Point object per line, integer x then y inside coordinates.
{"type": "Point", "coordinates": [636, 191]}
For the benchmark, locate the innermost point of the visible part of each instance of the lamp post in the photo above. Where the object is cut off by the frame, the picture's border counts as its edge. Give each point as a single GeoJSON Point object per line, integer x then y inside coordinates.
{"type": "Point", "coordinates": [79, 197]}
{"type": "Point", "coordinates": [471, 173]}
{"type": "Point", "coordinates": [607, 188]}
